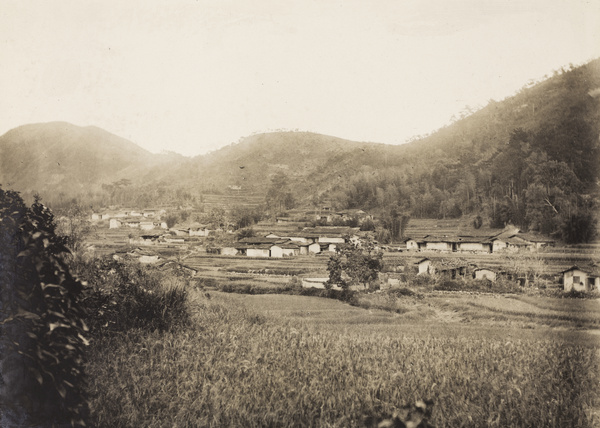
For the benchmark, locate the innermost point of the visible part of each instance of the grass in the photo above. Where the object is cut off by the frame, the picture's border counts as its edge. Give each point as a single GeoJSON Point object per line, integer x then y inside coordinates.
{"type": "Point", "coordinates": [274, 360]}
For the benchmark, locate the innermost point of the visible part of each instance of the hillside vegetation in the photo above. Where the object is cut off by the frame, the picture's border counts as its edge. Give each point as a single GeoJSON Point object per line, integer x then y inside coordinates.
{"type": "Point", "coordinates": [531, 160]}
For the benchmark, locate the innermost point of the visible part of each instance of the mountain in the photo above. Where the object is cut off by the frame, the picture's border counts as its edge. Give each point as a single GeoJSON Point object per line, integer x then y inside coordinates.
{"type": "Point", "coordinates": [531, 159]}
{"type": "Point", "coordinates": [47, 157]}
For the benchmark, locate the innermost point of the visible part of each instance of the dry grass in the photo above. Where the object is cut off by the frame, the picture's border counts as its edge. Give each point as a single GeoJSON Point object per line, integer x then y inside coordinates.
{"type": "Point", "coordinates": [300, 361]}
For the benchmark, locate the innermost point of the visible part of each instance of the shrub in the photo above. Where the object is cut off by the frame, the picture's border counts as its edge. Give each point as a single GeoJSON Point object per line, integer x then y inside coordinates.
{"type": "Point", "coordinates": [42, 323]}
{"type": "Point", "coordinates": [127, 295]}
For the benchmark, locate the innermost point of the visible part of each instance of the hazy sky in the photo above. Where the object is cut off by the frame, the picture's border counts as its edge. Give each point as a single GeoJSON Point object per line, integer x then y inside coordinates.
{"type": "Point", "coordinates": [192, 76]}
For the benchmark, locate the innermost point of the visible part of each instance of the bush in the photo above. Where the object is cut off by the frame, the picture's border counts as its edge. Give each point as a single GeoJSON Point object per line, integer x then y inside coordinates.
{"type": "Point", "coordinates": [127, 295]}
{"type": "Point", "coordinates": [42, 327]}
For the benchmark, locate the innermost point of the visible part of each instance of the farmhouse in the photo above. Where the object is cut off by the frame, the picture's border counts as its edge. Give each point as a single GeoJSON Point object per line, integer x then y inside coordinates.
{"type": "Point", "coordinates": [472, 244]}
{"type": "Point", "coordinates": [580, 279]}
{"type": "Point", "coordinates": [259, 250]}
{"type": "Point", "coordinates": [145, 240]}
{"type": "Point", "coordinates": [114, 223]}
{"type": "Point", "coordinates": [484, 273]}
{"type": "Point", "coordinates": [229, 251]}
{"type": "Point", "coordinates": [289, 249]}
{"type": "Point", "coordinates": [307, 248]}
{"type": "Point", "coordinates": [448, 268]}
{"type": "Point", "coordinates": [146, 225]}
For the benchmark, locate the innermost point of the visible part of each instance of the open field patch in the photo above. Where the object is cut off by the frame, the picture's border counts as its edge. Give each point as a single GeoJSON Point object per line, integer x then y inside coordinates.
{"type": "Point", "coordinates": [299, 361]}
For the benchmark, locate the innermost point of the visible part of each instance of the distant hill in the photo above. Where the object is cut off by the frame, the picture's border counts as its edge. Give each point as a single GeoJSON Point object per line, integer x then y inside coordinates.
{"type": "Point", "coordinates": [531, 159]}
{"type": "Point", "coordinates": [58, 156]}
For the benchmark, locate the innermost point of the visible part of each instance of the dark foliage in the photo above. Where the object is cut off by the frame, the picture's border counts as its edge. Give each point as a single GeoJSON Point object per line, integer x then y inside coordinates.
{"type": "Point", "coordinates": [126, 295]}
{"type": "Point", "coordinates": [43, 326]}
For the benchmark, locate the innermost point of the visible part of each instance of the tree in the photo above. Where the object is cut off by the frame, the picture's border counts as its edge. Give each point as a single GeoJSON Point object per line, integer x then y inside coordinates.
{"type": "Point", "coordinates": [359, 262]}
{"type": "Point", "coordinates": [41, 321]}
{"type": "Point", "coordinates": [73, 225]}
{"type": "Point", "coordinates": [279, 196]}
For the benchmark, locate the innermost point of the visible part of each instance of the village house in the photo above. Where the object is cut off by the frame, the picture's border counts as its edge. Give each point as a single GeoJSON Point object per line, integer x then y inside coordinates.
{"type": "Point", "coordinates": [181, 232]}
{"type": "Point", "coordinates": [141, 255]}
{"type": "Point", "coordinates": [170, 239]}
{"type": "Point", "coordinates": [144, 240]}
{"type": "Point", "coordinates": [146, 225]}
{"type": "Point", "coordinates": [96, 217]}
{"type": "Point", "coordinates": [484, 273]}
{"type": "Point", "coordinates": [450, 268]}
{"type": "Point", "coordinates": [259, 250]}
{"type": "Point", "coordinates": [229, 251]}
{"type": "Point", "coordinates": [581, 279]}
{"type": "Point", "coordinates": [113, 223]}
{"type": "Point", "coordinates": [289, 249]}
{"type": "Point", "coordinates": [509, 244]}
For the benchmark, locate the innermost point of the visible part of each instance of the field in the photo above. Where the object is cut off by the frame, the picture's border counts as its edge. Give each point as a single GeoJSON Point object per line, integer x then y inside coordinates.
{"type": "Point", "coordinates": [275, 360]}
{"type": "Point", "coordinates": [485, 359]}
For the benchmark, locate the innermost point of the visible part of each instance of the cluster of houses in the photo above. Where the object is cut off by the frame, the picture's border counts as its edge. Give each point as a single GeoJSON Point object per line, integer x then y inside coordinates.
{"type": "Point", "coordinates": [324, 214]}
{"type": "Point", "coordinates": [147, 257]}
{"type": "Point", "coordinates": [307, 241]}
{"type": "Point", "coordinates": [586, 279]}
{"type": "Point", "coordinates": [507, 241]}
{"type": "Point", "coordinates": [144, 220]}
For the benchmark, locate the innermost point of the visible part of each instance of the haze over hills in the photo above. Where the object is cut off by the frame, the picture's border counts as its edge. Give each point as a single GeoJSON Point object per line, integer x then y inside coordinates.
{"type": "Point", "coordinates": [58, 156]}
{"type": "Point", "coordinates": [528, 159]}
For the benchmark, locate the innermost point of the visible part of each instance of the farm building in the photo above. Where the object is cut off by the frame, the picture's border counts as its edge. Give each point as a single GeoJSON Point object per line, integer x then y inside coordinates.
{"type": "Point", "coordinates": [484, 273]}
{"type": "Point", "coordinates": [290, 249]}
{"type": "Point", "coordinates": [114, 223]}
{"type": "Point", "coordinates": [146, 225]}
{"type": "Point", "coordinates": [145, 240]}
{"type": "Point", "coordinates": [181, 232]}
{"type": "Point", "coordinates": [423, 266]}
{"type": "Point", "coordinates": [580, 279]}
{"type": "Point", "coordinates": [510, 244]}
{"type": "Point", "coordinates": [96, 217]}
{"type": "Point", "coordinates": [260, 250]}
{"type": "Point", "coordinates": [449, 268]}
{"type": "Point", "coordinates": [412, 244]}
{"type": "Point", "coordinates": [472, 244]}
{"type": "Point", "coordinates": [229, 251]}
{"type": "Point", "coordinates": [307, 248]}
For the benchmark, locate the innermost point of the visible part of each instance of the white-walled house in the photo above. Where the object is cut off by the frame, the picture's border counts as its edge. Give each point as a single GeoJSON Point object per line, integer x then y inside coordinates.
{"type": "Point", "coordinates": [146, 225]}
{"type": "Point", "coordinates": [484, 273]}
{"type": "Point", "coordinates": [263, 250]}
{"type": "Point", "coordinates": [275, 251]}
{"type": "Point", "coordinates": [307, 248]}
{"type": "Point", "coordinates": [113, 223]}
{"type": "Point", "coordinates": [424, 266]}
{"type": "Point", "coordinates": [96, 217]}
{"type": "Point", "coordinates": [579, 279]}
{"type": "Point", "coordinates": [229, 251]}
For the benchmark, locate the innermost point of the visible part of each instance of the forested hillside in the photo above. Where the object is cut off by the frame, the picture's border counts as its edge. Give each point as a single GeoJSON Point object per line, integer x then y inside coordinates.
{"type": "Point", "coordinates": [531, 160]}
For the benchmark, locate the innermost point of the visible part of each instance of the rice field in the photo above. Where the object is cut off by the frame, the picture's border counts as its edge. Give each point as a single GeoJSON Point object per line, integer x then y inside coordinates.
{"type": "Point", "coordinates": [275, 360]}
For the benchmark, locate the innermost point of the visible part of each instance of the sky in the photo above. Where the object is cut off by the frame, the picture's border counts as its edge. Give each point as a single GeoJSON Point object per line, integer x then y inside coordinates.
{"type": "Point", "coordinates": [193, 76]}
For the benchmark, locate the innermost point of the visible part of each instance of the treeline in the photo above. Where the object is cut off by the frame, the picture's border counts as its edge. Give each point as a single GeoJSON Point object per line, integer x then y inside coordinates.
{"type": "Point", "coordinates": [542, 177]}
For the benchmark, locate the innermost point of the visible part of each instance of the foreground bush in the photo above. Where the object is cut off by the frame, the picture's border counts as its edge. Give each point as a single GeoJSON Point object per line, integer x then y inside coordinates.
{"type": "Point", "coordinates": [42, 328]}
{"type": "Point", "coordinates": [235, 368]}
{"type": "Point", "coordinates": [126, 295]}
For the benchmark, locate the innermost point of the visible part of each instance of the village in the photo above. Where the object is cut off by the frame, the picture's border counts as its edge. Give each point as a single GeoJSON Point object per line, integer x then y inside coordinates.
{"type": "Point", "coordinates": [314, 235]}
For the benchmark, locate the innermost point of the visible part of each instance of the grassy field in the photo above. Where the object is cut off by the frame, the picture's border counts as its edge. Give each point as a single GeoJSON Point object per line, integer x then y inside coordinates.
{"type": "Point", "coordinates": [275, 360]}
